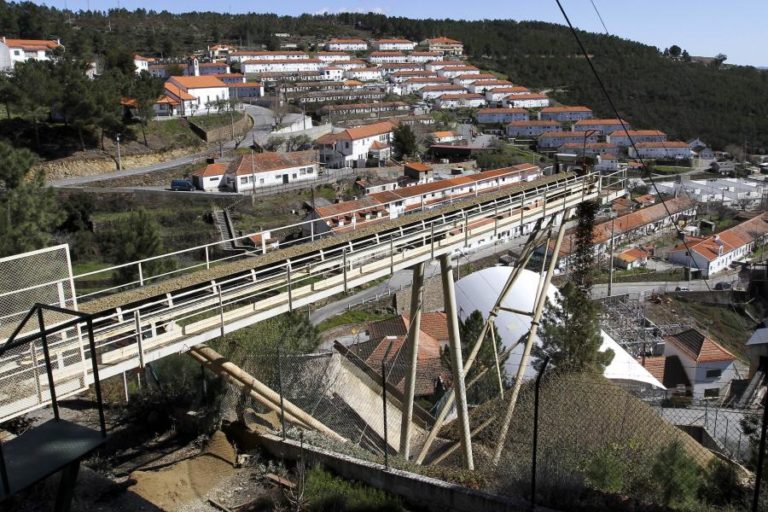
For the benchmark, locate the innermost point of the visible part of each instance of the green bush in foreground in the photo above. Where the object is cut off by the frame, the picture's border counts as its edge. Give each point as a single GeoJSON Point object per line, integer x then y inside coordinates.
{"type": "Point", "coordinates": [327, 493]}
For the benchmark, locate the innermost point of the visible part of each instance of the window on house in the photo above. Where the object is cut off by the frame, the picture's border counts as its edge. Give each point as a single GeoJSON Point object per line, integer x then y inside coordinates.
{"type": "Point", "coordinates": [714, 374]}
{"type": "Point", "coordinates": [215, 178]}
{"type": "Point", "coordinates": [711, 393]}
{"type": "Point", "coordinates": [261, 181]}
{"type": "Point", "coordinates": [310, 170]}
{"type": "Point", "coordinates": [302, 172]}
{"type": "Point", "coordinates": [244, 180]}
{"type": "Point", "coordinates": [17, 52]}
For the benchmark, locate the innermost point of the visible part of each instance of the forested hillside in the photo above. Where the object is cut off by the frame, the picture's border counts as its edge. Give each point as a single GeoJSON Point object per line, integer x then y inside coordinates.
{"type": "Point", "coordinates": [719, 103]}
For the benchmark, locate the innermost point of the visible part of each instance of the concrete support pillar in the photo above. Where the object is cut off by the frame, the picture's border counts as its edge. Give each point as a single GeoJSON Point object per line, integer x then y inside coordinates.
{"type": "Point", "coordinates": [457, 365]}
{"type": "Point", "coordinates": [412, 344]}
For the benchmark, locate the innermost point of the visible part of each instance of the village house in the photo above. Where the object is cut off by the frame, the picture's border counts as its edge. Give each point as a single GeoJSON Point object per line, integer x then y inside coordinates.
{"type": "Point", "coordinates": [386, 108]}
{"type": "Point", "coordinates": [412, 85]}
{"type": "Point", "coordinates": [332, 57]}
{"type": "Point", "coordinates": [280, 65]}
{"type": "Point", "coordinates": [424, 57]}
{"type": "Point", "coordinates": [401, 76]}
{"type": "Point", "coordinates": [480, 86]}
{"type": "Point", "coordinates": [141, 63]}
{"type": "Point", "coordinates": [244, 55]}
{"type": "Point", "coordinates": [337, 95]}
{"type": "Point", "coordinates": [700, 149]}
{"type": "Point", "coordinates": [463, 100]}
{"type": "Point", "coordinates": [279, 78]}
{"type": "Point", "coordinates": [532, 128]}
{"type": "Point", "coordinates": [257, 170]}
{"type": "Point", "coordinates": [364, 74]}
{"type": "Point", "coordinates": [354, 146]}
{"type": "Point", "coordinates": [454, 71]}
{"type": "Point", "coordinates": [627, 228]}
{"type": "Point", "coordinates": [348, 215]}
{"type": "Point", "coordinates": [393, 67]}
{"type": "Point", "coordinates": [432, 92]}
{"type": "Point", "coordinates": [446, 137]}
{"type": "Point", "coordinates": [245, 90]}
{"type": "Point", "coordinates": [709, 368]}
{"type": "Point", "coordinates": [631, 258]}
{"type": "Point", "coordinates": [524, 100]}
{"type": "Point", "coordinates": [393, 45]}
{"type": "Point", "coordinates": [497, 96]}
{"type": "Point", "coordinates": [231, 78]}
{"type": "Point", "coordinates": [444, 45]}
{"type": "Point", "coordinates": [555, 139]}
{"type": "Point", "coordinates": [735, 193]}
{"type": "Point", "coordinates": [590, 149]}
{"type": "Point", "coordinates": [606, 162]}
{"type": "Point", "coordinates": [418, 173]}
{"type": "Point", "coordinates": [13, 51]}
{"type": "Point", "coordinates": [196, 68]}
{"type": "Point", "coordinates": [208, 92]}
{"type": "Point", "coordinates": [373, 184]}
{"type": "Point", "coordinates": [346, 65]}
{"type": "Point", "coordinates": [220, 51]}
{"type": "Point", "coordinates": [175, 102]}
{"type": "Point", "coordinates": [622, 139]}
{"type": "Point", "coordinates": [210, 177]}
{"type": "Point", "coordinates": [471, 78]}
{"type": "Point", "coordinates": [565, 114]}
{"type": "Point", "coordinates": [602, 126]}
{"type": "Point", "coordinates": [501, 115]}
{"type": "Point", "coordinates": [661, 150]}
{"type": "Point", "coordinates": [346, 45]}
{"type": "Point", "coordinates": [387, 57]}
{"type": "Point", "coordinates": [715, 253]}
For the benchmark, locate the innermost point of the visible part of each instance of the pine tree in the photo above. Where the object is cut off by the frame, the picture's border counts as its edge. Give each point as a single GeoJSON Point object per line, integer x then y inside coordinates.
{"type": "Point", "coordinates": [584, 255]}
{"type": "Point", "coordinates": [138, 238]}
{"type": "Point", "coordinates": [28, 211]}
{"type": "Point", "coordinates": [404, 140]}
{"type": "Point", "coordinates": [469, 331]}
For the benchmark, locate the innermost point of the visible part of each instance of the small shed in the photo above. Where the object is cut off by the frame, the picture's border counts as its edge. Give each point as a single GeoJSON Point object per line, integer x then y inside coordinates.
{"type": "Point", "coordinates": [631, 259]}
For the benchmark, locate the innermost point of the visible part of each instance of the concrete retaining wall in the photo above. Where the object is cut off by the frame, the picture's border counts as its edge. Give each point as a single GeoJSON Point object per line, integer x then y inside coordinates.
{"type": "Point", "coordinates": [222, 132]}
{"type": "Point", "coordinates": [430, 493]}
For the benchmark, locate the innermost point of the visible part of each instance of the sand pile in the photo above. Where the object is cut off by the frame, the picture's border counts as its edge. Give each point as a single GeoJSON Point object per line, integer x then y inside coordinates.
{"type": "Point", "coordinates": [188, 480]}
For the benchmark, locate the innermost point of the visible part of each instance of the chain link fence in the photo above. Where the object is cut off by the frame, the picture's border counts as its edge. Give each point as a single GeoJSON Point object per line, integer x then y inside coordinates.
{"type": "Point", "coordinates": [597, 445]}
{"type": "Point", "coordinates": [45, 277]}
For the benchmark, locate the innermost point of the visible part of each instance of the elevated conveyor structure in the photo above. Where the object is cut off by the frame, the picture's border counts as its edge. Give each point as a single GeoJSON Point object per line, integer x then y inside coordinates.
{"type": "Point", "coordinates": [204, 297]}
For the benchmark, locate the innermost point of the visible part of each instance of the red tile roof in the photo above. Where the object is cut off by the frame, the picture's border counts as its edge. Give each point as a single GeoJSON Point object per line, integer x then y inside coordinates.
{"type": "Point", "coordinates": [670, 144]}
{"type": "Point", "coordinates": [639, 133]}
{"type": "Point", "coordinates": [32, 44]}
{"type": "Point", "coordinates": [632, 255]}
{"type": "Point", "coordinates": [699, 347]}
{"type": "Point", "coordinates": [265, 162]}
{"type": "Point", "coordinates": [565, 109]}
{"type": "Point", "coordinates": [534, 122]}
{"type": "Point", "coordinates": [443, 40]}
{"type": "Point", "coordinates": [196, 82]}
{"type": "Point", "coordinates": [729, 240]}
{"type": "Point", "coordinates": [211, 170]}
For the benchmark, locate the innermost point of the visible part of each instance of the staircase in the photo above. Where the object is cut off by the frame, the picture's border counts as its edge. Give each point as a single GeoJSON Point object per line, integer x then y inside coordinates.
{"type": "Point", "coordinates": [223, 223]}
{"type": "Point", "coordinates": [758, 380]}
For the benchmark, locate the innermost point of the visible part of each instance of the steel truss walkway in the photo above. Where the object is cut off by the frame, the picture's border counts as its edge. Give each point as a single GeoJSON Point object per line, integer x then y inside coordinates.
{"type": "Point", "coordinates": [170, 313]}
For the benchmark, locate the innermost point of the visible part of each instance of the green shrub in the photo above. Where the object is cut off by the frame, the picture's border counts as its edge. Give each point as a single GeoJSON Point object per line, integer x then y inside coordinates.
{"type": "Point", "coordinates": [675, 475]}
{"type": "Point", "coordinates": [327, 493]}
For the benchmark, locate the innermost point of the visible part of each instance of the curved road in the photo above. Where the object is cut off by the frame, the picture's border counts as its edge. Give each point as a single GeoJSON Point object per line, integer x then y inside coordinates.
{"type": "Point", "coordinates": [262, 125]}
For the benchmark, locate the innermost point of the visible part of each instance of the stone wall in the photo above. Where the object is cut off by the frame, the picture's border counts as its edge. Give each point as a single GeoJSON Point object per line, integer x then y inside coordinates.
{"type": "Point", "coordinates": [222, 132]}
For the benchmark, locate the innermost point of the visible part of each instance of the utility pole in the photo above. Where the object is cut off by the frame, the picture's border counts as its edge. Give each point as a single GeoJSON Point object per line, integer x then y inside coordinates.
{"type": "Point", "coordinates": [253, 180]}
{"type": "Point", "coordinates": [119, 159]}
{"type": "Point", "coordinates": [610, 269]}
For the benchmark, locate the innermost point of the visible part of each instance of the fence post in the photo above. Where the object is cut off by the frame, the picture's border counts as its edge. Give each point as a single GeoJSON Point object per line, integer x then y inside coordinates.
{"type": "Point", "coordinates": [760, 460]}
{"type": "Point", "coordinates": [536, 432]}
{"type": "Point", "coordinates": [141, 275]}
{"type": "Point", "coordinates": [280, 389]}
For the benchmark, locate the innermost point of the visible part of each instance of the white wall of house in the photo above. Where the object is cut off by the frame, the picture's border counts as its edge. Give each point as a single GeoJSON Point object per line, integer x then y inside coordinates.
{"type": "Point", "coordinates": [245, 182]}
{"type": "Point", "coordinates": [278, 66]}
{"type": "Point", "coordinates": [364, 74]}
{"type": "Point", "coordinates": [660, 152]}
{"type": "Point", "coordinates": [513, 101]}
{"type": "Point", "coordinates": [346, 47]}
{"type": "Point", "coordinates": [208, 183]}
{"type": "Point", "coordinates": [502, 116]}
{"type": "Point", "coordinates": [141, 65]}
{"type": "Point", "coordinates": [390, 59]}
{"type": "Point", "coordinates": [207, 96]}
{"type": "Point", "coordinates": [10, 55]}
{"type": "Point", "coordinates": [424, 58]}
{"type": "Point", "coordinates": [703, 376]}
{"type": "Point", "coordinates": [391, 46]}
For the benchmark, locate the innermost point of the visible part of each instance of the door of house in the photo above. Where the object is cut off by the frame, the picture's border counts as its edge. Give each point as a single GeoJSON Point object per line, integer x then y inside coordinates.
{"type": "Point", "coordinates": [285, 179]}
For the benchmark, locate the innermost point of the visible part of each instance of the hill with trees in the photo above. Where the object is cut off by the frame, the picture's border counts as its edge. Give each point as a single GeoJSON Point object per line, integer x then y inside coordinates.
{"type": "Point", "coordinates": [667, 89]}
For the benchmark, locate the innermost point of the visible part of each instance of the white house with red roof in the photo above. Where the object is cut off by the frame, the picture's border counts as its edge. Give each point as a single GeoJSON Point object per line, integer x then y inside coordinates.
{"type": "Point", "coordinates": [387, 57]}
{"type": "Point", "coordinates": [601, 126]}
{"type": "Point", "coordinates": [444, 45]}
{"type": "Point", "coordinates": [393, 45]}
{"type": "Point", "coordinates": [532, 100]}
{"type": "Point", "coordinates": [532, 128]}
{"type": "Point", "coordinates": [13, 51]}
{"type": "Point", "coordinates": [141, 63]}
{"type": "Point", "coordinates": [346, 45]}
{"type": "Point", "coordinates": [707, 365]}
{"type": "Point", "coordinates": [210, 177]}
{"type": "Point", "coordinates": [672, 149]}
{"type": "Point", "coordinates": [432, 92]}
{"type": "Point", "coordinates": [259, 170]}
{"type": "Point", "coordinates": [207, 91]}
{"type": "Point", "coordinates": [451, 101]}
{"type": "Point", "coordinates": [424, 57]}
{"type": "Point", "coordinates": [364, 74]}
{"type": "Point", "coordinates": [624, 138]}
{"type": "Point", "coordinates": [715, 253]}
{"type": "Point", "coordinates": [354, 146]}
{"type": "Point", "coordinates": [333, 56]}
{"type": "Point", "coordinates": [565, 113]}
{"type": "Point", "coordinates": [499, 95]}
{"type": "Point", "coordinates": [501, 115]}
{"type": "Point", "coordinates": [280, 65]}
{"type": "Point", "coordinates": [244, 55]}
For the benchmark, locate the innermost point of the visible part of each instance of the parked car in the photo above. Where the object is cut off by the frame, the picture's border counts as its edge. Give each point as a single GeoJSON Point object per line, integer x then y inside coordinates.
{"type": "Point", "coordinates": [682, 289]}
{"type": "Point", "coordinates": [723, 286]}
{"type": "Point", "coordinates": [185, 185]}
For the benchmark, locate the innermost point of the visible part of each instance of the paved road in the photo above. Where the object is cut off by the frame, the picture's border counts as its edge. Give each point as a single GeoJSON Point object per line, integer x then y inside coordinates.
{"type": "Point", "coordinates": [262, 125]}
{"type": "Point", "coordinates": [601, 290]}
